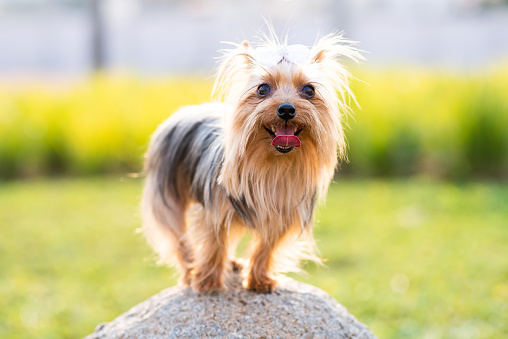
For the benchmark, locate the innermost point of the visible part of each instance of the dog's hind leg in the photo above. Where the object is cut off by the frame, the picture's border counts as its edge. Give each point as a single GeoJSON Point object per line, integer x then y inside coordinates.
{"type": "Point", "coordinates": [165, 228]}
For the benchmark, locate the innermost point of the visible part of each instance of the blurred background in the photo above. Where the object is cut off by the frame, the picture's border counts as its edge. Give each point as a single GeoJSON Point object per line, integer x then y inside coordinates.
{"type": "Point", "coordinates": [415, 228]}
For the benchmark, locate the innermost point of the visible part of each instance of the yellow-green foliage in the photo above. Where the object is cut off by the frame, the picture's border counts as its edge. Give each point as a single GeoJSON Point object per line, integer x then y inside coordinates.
{"type": "Point", "coordinates": [411, 122]}
{"type": "Point", "coordinates": [442, 124]}
{"type": "Point", "coordinates": [98, 126]}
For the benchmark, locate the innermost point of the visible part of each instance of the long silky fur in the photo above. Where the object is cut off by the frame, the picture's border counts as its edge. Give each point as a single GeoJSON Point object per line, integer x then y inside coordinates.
{"type": "Point", "coordinates": [215, 162]}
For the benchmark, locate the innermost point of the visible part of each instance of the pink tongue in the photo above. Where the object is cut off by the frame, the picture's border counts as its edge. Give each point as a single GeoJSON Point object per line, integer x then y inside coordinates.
{"type": "Point", "coordinates": [283, 138]}
{"type": "Point", "coordinates": [286, 140]}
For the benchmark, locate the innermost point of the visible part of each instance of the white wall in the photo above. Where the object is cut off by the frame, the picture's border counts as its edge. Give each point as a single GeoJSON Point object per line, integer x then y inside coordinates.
{"type": "Point", "coordinates": [184, 36]}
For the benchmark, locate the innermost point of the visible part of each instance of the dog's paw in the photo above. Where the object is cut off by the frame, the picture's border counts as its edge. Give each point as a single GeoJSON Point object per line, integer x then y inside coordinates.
{"type": "Point", "coordinates": [236, 265]}
{"type": "Point", "coordinates": [186, 278]}
{"type": "Point", "coordinates": [265, 285]}
{"type": "Point", "coordinates": [206, 280]}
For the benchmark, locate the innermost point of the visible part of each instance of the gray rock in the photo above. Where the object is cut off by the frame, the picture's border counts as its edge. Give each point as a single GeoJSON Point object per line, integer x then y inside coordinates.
{"type": "Point", "coordinates": [293, 310]}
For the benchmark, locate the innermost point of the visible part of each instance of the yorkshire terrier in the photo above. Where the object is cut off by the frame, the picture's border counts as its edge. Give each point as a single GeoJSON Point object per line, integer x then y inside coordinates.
{"type": "Point", "coordinates": [260, 160]}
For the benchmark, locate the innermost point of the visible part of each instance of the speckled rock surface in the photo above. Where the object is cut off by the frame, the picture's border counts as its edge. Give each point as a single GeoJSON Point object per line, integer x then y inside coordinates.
{"type": "Point", "coordinates": [293, 310]}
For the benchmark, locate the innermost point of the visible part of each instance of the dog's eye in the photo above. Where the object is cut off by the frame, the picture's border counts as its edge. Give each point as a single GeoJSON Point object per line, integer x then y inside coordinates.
{"type": "Point", "coordinates": [308, 91]}
{"type": "Point", "coordinates": [263, 90]}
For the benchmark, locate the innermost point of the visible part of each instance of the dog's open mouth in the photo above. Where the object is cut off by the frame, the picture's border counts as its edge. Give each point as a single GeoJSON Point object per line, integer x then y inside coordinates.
{"type": "Point", "coordinates": [284, 137]}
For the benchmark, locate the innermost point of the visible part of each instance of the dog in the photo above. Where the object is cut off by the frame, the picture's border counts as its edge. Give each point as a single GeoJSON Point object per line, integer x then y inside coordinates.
{"type": "Point", "coordinates": [260, 159]}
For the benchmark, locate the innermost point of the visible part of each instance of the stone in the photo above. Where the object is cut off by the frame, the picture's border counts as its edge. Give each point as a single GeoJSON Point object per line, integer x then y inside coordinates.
{"type": "Point", "coordinates": [292, 310]}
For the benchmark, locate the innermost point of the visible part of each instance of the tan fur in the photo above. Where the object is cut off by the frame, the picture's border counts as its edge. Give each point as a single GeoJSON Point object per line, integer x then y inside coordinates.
{"type": "Point", "coordinates": [279, 188]}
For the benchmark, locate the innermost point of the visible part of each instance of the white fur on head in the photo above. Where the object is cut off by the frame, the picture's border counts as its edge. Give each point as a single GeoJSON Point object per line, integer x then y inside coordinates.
{"type": "Point", "coordinates": [271, 56]}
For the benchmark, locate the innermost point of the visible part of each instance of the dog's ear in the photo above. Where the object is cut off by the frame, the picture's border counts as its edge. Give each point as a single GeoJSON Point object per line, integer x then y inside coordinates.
{"type": "Point", "coordinates": [328, 56]}
{"type": "Point", "coordinates": [245, 44]}
{"type": "Point", "coordinates": [234, 69]}
{"type": "Point", "coordinates": [319, 56]}
{"type": "Point", "coordinates": [334, 47]}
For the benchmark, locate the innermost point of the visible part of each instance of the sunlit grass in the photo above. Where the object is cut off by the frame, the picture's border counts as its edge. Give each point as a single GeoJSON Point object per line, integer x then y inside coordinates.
{"type": "Point", "coordinates": [411, 259]}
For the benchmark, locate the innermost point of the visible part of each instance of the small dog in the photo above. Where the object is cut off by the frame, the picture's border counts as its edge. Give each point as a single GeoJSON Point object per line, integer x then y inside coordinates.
{"type": "Point", "coordinates": [259, 161]}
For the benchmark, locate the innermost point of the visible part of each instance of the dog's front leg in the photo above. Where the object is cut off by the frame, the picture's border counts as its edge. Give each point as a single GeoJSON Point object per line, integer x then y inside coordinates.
{"type": "Point", "coordinates": [259, 277]}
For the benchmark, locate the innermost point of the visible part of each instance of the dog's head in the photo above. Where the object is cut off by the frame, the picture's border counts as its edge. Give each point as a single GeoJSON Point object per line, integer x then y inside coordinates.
{"type": "Point", "coordinates": [283, 133]}
{"type": "Point", "coordinates": [286, 100]}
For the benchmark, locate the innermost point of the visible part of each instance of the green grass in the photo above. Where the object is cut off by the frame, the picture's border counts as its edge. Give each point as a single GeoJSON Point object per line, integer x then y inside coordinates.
{"type": "Point", "coordinates": [411, 259]}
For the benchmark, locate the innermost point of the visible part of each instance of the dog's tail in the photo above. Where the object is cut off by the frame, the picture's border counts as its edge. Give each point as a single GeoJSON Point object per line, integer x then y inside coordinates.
{"type": "Point", "coordinates": [165, 200]}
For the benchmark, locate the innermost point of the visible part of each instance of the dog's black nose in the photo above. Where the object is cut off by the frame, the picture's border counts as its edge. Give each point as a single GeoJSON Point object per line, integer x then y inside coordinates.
{"type": "Point", "coordinates": [286, 111]}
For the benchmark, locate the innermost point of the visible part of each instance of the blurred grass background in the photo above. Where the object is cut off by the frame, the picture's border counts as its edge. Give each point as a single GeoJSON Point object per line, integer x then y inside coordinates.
{"type": "Point", "coordinates": [415, 230]}
{"type": "Point", "coordinates": [412, 122]}
{"type": "Point", "coordinates": [410, 258]}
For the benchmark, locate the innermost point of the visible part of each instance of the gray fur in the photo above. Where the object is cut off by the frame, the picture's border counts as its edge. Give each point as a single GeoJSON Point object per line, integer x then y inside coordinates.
{"type": "Point", "coordinates": [188, 147]}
